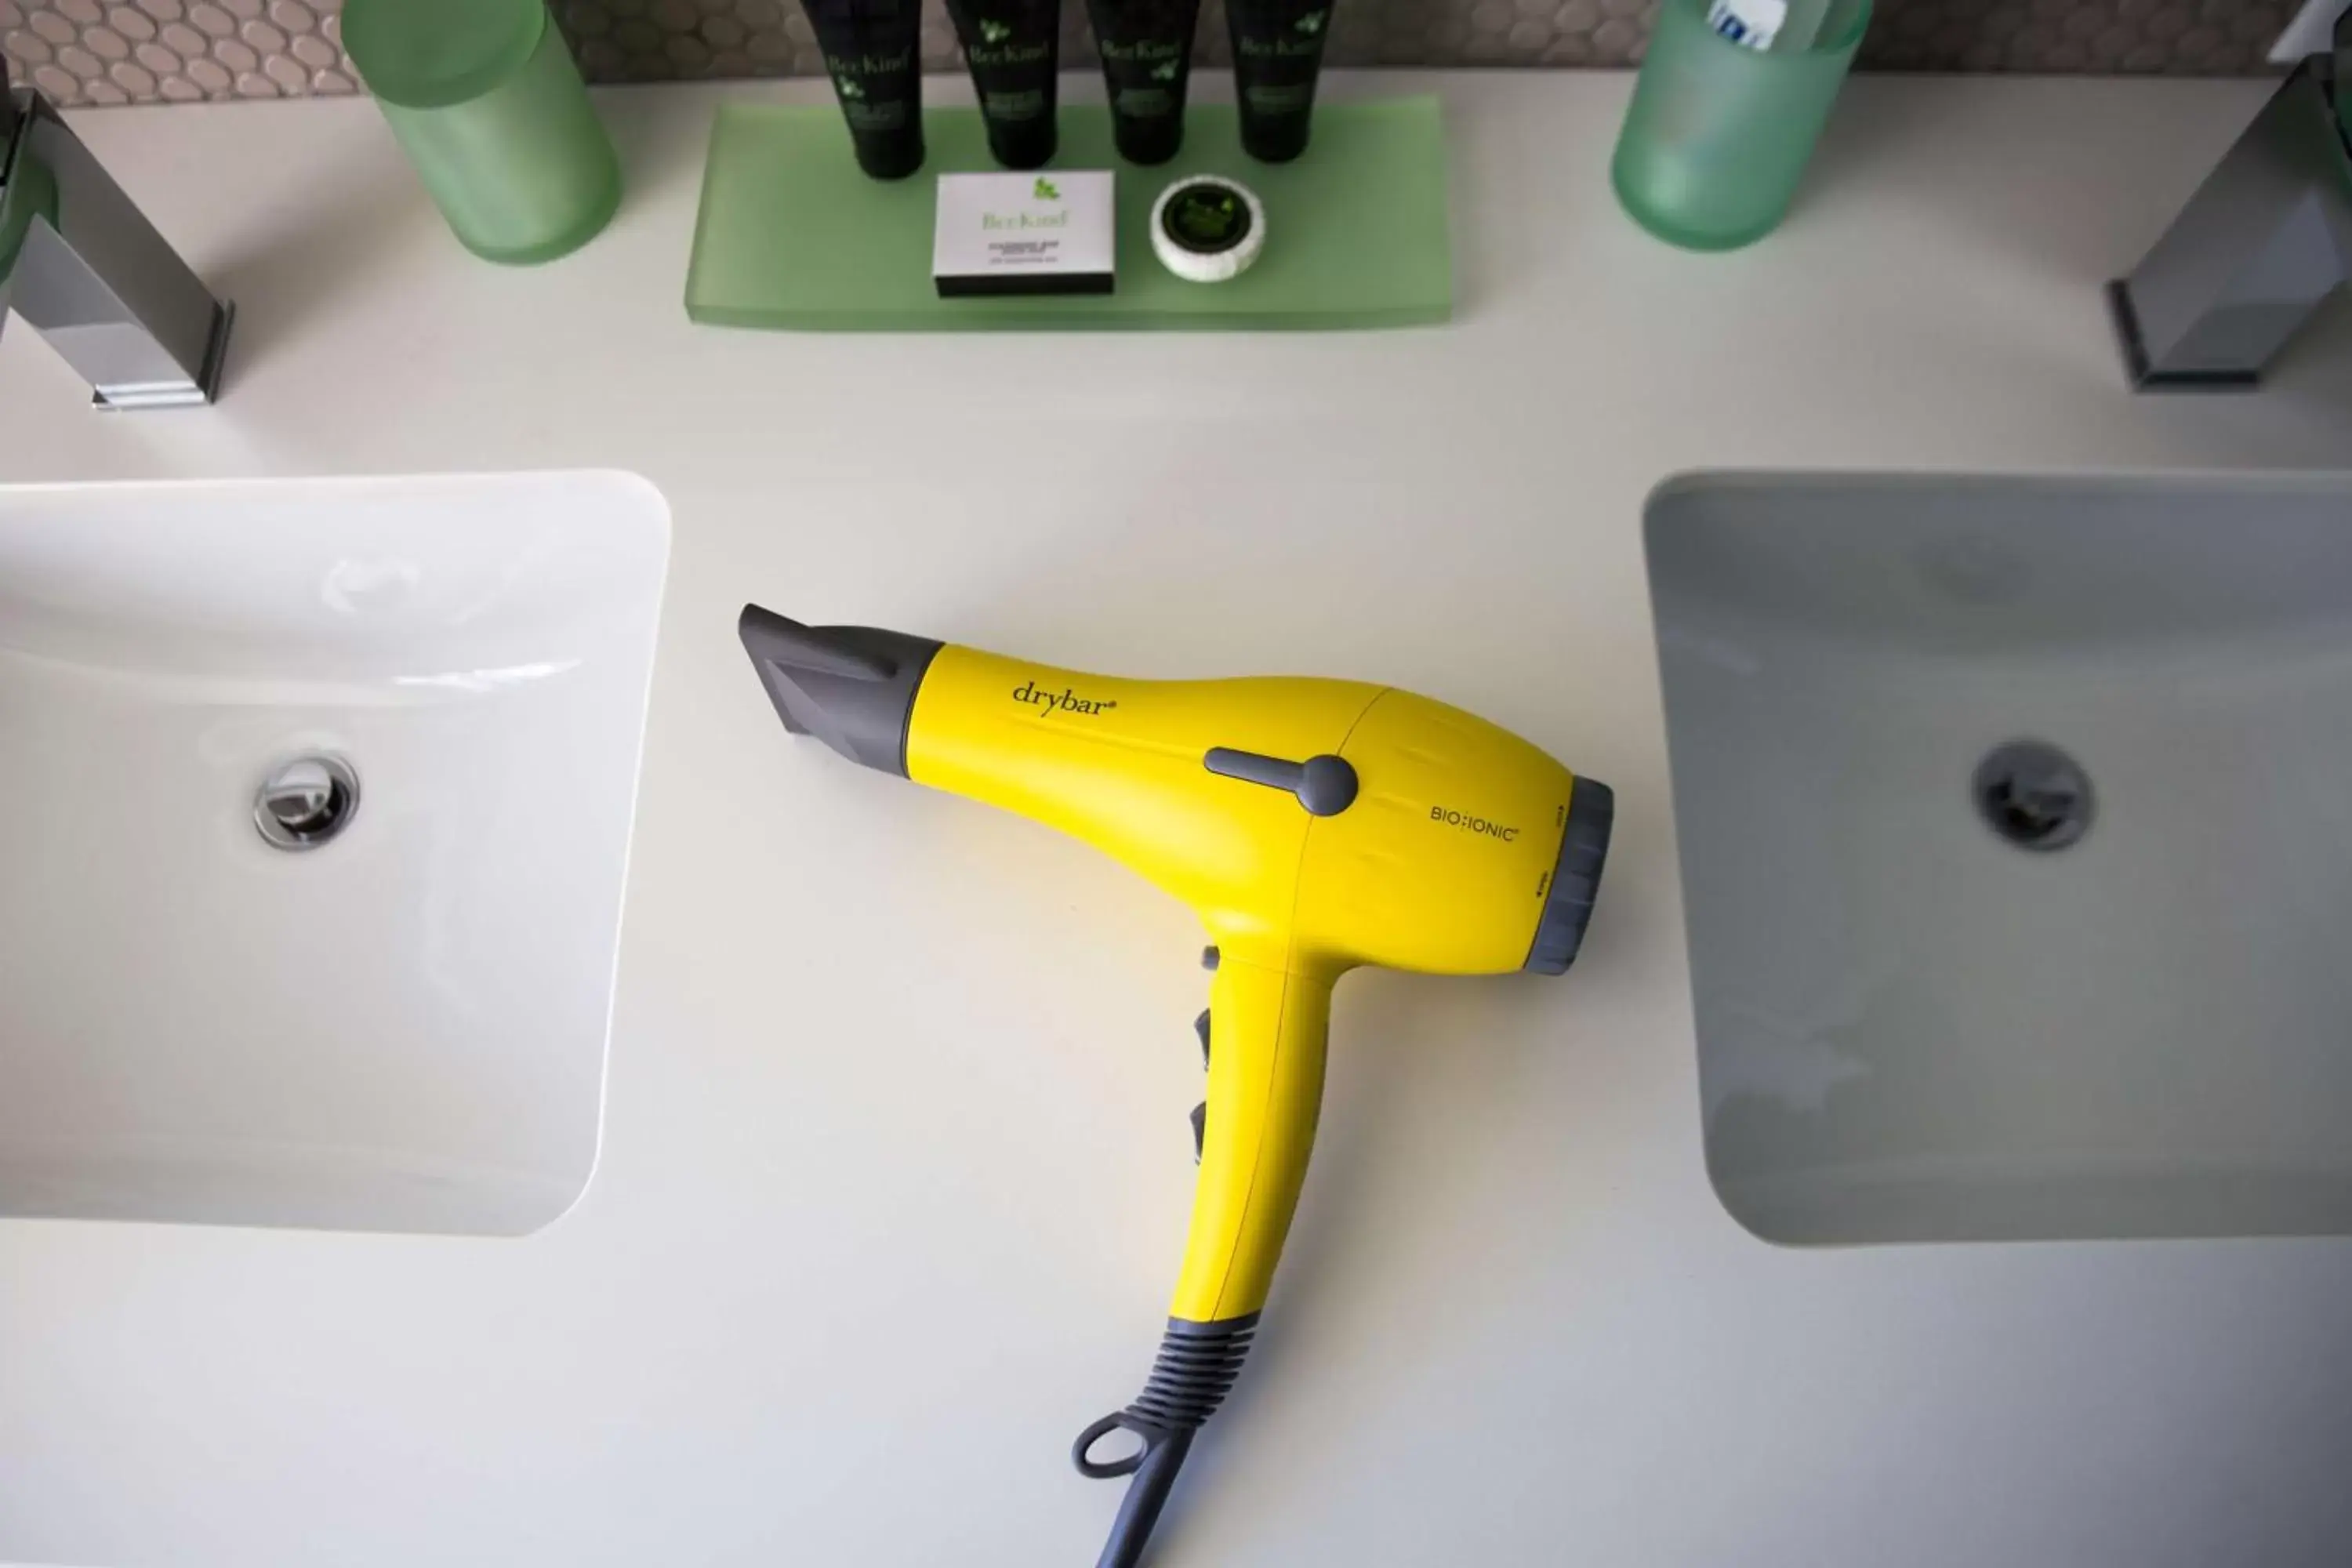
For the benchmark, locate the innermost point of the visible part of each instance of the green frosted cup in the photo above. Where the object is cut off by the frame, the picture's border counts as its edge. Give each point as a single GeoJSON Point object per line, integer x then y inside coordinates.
{"type": "Point", "coordinates": [1718, 134]}
{"type": "Point", "coordinates": [485, 99]}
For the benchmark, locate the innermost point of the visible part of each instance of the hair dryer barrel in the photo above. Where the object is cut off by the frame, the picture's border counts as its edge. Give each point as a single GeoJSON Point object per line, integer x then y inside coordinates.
{"type": "Point", "coordinates": [851, 686]}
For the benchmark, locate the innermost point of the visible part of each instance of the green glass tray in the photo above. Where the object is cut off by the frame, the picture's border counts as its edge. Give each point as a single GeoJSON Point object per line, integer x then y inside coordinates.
{"type": "Point", "coordinates": [793, 236]}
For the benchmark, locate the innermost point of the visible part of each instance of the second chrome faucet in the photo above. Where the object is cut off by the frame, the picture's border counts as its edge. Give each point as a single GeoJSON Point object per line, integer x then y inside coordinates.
{"type": "Point", "coordinates": [2266, 239]}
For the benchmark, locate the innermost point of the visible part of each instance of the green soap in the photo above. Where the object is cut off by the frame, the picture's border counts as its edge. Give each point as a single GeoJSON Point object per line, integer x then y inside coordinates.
{"type": "Point", "coordinates": [793, 236]}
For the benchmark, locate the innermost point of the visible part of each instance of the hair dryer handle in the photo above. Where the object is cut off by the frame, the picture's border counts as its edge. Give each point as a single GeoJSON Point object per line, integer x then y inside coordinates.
{"type": "Point", "coordinates": [1269, 1028]}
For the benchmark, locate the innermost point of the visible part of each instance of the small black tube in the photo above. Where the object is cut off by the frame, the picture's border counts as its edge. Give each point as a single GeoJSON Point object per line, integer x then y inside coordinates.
{"type": "Point", "coordinates": [869, 52]}
{"type": "Point", "coordinates": [1147, 56]}
{"type": "Point", "coordinates": [1278, 54]}
{"type": "Point", "coordinates": [1012, 47]}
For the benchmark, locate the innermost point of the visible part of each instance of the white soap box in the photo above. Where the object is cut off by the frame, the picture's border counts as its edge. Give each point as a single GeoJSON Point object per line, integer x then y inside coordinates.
{"type": "Point", "coordinates": [1052, 231]}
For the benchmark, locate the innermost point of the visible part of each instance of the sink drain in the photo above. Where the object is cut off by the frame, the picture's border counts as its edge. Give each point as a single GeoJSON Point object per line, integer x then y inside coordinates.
{"type": "Point", "coordinates": [306, 802]}
{"type": "Point", "coordinates": [2034, 794]}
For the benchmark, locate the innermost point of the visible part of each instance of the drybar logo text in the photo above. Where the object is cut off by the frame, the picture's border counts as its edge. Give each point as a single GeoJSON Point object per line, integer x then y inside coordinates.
{"type": "Point", "coordinates": [1063, 701]}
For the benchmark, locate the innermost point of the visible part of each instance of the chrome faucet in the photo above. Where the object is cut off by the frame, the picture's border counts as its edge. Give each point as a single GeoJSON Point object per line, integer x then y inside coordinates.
{"type": "Point", "coordinates": [85, 268]}
{"type": "Point", "coordinates": [2260, 246]}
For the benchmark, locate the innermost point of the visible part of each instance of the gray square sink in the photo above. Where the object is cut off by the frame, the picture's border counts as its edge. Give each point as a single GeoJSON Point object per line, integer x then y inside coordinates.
{"type": "Point", "coordinates": [2015, 819]}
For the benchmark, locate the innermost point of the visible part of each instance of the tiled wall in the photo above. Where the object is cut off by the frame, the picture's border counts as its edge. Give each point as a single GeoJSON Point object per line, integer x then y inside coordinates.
{"type": "Point", "coordinates": [121, 52]}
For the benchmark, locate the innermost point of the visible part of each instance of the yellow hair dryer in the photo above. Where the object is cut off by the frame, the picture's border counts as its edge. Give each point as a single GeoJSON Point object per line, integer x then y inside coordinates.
{"type": "Point", "coordinates": [1313, 824]}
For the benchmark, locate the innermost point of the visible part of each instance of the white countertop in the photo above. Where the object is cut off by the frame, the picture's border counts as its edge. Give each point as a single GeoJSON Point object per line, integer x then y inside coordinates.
{"type": "Point", "coordinates": [896, 1161]}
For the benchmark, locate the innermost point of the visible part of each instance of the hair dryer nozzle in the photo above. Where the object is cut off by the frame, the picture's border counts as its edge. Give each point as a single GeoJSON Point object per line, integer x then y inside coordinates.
{"type": "Point", "coordinates": [851, 686]}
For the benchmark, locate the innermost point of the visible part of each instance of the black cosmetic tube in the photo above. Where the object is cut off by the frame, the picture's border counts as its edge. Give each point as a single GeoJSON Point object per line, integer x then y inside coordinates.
{"type": "Point", "coordinates": [1013, 48]}
{"type": "Point", "coordinates": [1278, 53]}
{"type": "Point", "coordinates": [1146, 55]}
{"type": "Point", "coordinates": [869, 51]}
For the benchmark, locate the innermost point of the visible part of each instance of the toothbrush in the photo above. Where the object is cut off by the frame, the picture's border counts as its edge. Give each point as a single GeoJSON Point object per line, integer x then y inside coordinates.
{"type": "Point", "coordinates": [1787, 26]}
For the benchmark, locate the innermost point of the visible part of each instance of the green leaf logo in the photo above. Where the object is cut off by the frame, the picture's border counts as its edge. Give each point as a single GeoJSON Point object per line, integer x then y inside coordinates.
{"type": "Point", "coordinates": [994, 32]}
{"type": "Point", "coordinates": [848, 88]}
{"type": "Point", "coordinates": [1046, 190]}
{"type": "Point", "coordinates": [1311, 23]}
{"type": "Point", "coordinates": [1164, 72]}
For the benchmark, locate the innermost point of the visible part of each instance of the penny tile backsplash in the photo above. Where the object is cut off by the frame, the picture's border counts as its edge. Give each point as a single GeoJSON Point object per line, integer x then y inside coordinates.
{"type": "Point", "coordinates": [84, 52]}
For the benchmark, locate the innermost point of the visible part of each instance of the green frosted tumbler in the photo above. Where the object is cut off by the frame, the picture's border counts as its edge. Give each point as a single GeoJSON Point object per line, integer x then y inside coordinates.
{"type": "Point", "coordinates": [485, 99]}
{"type": "Point", "coordinates": [1718, 134]}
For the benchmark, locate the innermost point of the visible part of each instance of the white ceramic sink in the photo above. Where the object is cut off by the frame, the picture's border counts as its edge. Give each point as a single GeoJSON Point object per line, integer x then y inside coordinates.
{"type": "Point", "coordinates": [1945, 991]}
{"type": "Point", "coordinates": [401, 1026]}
